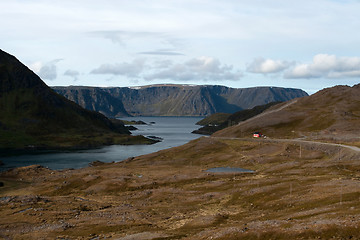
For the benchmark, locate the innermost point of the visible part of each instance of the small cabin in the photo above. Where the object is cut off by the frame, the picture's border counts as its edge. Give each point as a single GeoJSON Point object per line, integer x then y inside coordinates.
{"type": "Point", "coordinates": [257, 134]}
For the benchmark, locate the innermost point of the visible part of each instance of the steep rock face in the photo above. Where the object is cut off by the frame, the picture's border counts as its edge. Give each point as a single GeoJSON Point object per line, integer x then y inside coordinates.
{"type": "Point", "coordinates": [247, 98]}
{"type": "Point", "coordinates": [30, 110]}
{"type": "Point", "coordinates": [175, 100]}
{"type": "Point", "coordinates": [96, 99]}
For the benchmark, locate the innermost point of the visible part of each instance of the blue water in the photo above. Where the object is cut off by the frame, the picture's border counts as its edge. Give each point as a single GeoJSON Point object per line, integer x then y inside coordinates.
{"type": "Point", "coordinates": [174, 131]}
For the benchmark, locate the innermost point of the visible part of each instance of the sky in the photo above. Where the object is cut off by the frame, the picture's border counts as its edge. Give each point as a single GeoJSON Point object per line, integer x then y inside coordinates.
{"type": "Point", "coordinates": [303, 44]}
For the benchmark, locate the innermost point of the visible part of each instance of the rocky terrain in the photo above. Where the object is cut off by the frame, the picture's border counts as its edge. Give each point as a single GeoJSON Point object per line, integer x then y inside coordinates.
{"type": "Point", "coordinates": [34, 116]}
{"type": "Point", "coordinates": [174, 100]}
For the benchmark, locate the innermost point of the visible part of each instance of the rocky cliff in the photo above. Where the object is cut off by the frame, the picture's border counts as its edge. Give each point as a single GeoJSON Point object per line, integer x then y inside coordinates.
{"type": "Point", "coordinates": [174, 100]}
{"type": "Point", "coordinates": [96, 99]}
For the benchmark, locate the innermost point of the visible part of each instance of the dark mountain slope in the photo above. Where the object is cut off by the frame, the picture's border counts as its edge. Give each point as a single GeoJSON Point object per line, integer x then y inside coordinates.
{"type": "Point", "coordinates": [332, 113]}
{"type": "Point", "coordinates": [33, 114]}
{"type": "Point", "coordinates": [175, 100]}
{"type": "Point", "coordinates": [217, 121]}
{"type": "Point", "coordinates": [214, 119]}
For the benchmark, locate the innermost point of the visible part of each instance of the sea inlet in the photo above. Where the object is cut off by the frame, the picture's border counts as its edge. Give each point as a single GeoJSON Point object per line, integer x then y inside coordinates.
{"type": "Point", "coordinates": [174, 131]}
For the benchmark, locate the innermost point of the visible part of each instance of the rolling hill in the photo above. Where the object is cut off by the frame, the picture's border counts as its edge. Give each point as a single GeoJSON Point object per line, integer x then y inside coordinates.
{"type": "Point", "coordinates": [218, 121]}
{"type": "Point", "coordinates": [332, 113]}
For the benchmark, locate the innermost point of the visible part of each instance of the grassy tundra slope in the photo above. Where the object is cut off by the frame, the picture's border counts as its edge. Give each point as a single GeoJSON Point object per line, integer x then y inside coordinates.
{"type": "Point", "coordinates": [168, 195]}
{"type": "Point", "coordinates": [331, 114]}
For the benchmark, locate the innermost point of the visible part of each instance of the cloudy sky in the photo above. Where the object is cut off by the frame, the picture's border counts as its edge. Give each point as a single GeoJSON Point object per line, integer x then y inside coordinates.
{"type": "Point", "coordinates": [303, 44]}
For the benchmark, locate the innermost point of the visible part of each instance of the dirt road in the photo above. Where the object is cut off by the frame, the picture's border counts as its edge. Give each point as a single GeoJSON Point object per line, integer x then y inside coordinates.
{"type": "Point", "coordinates": [353, 148]}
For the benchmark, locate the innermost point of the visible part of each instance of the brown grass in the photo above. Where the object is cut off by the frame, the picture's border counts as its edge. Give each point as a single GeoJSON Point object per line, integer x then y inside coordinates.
{"type": "Point", "coordinates": [168, 194]}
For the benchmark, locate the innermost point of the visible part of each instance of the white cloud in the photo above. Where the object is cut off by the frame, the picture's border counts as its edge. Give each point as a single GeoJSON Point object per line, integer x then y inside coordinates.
{"type": "Point", "coordinates": [164, 52]}
{"type": "Point", "coordinates": [124, 37]}
{"type": "Point", "coordinates": [93, 32]}
{"type": "Point", "coordinates": [121, 37]}
{"type": "Point", "coordinates": [45, 71]}
{"type": "Point", "coordinates": [162, 64]}
{"type": "Point", "coordinates": [264, 66]}
{"type": "Point", "coordinates": [327, 66]}
{"type": "Point", "coordinates": [133, 69]}
{"type": "Point", "coordinates": [72, 73]}
{"type": "Point", "coordinates": [350, 74]}
{"type": "Point", "coordinates": [201, 68]}
{"type": "Point", "coordinates": [210, 18]}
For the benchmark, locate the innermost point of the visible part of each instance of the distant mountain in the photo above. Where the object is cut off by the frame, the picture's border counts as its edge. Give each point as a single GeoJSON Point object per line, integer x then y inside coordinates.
{"type": "Point", "coordinates": [174, 100]}
{"type": "Point", "coordinates": [33, 115]}
{"type": "Point", "coordinates": [95, 99]}
{"type": "Point", "coordinates": [332, 113]}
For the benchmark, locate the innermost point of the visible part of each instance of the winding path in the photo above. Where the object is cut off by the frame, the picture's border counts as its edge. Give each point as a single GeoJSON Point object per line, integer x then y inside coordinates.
{"type": "Point", "coordinates": [353, 148]}
{"type": "Point", "coordinates": [356, 149]}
